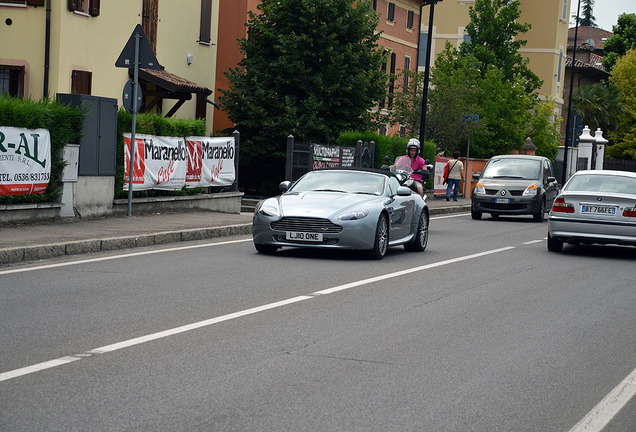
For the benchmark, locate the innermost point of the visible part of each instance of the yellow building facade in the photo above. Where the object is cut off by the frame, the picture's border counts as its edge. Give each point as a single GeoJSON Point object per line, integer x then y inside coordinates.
{"type": "Point", "coordinates": [546, 46]}
{"type": "Point", "coordinates": [77, 53]}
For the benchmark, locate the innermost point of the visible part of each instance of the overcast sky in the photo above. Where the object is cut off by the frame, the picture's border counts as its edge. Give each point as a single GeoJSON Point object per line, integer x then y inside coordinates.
{"type": "Point", "coordinates": [606, 12]}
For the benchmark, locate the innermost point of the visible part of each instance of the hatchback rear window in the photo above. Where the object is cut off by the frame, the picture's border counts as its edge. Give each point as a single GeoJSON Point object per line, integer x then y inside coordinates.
{"type": "Point", "coordinates": [524, 169]}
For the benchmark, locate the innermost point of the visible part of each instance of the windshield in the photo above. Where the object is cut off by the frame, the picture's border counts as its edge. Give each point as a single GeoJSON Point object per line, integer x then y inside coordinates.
{"type": "Point", "coordinates": [524, 169]}
{"type": "Point", "coordinates": [341, 181]}
{"type": "Point", "coordinates": [602, 183]}
{"type": "Point", "coordinates": [402, 163]}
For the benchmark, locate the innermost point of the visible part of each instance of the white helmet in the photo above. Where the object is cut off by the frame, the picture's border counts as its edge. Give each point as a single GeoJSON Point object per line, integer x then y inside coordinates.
{"type": "Point", "coordinates": [413, 142]}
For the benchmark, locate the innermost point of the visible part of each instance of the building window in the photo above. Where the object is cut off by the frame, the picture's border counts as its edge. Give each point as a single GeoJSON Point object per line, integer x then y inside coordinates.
{"type": "Point", "coordinates": [391, 12]}
{"type": "Point", "coordinates": [201, 108]}
{"type": "Point", "coordinates": [467, 38]}
{"type": "Point", "coordinates": [405, 71]}
{"type": "Point", "coordinates": [560, 64]}
{"type": "Point", "coordinates": [24, 2]}
{"type": "Point", "coordinates": [402, 131]}
{"type": "Point", "coordinates": [421, 56]}
{"type": "Point", "coordinates": [206, 22]}
{"type": "Point", "coordinates": [375, 5]}
{"type": "Point", "coordinates": [12, 80]}
{"type": "Point", "coordinates": [88, 7]}
{"type": "Point", "coordinates": [81, 82]}
{"type": "Point", "coordinates": [565, 11]}
{"type": "Point", "coordinates": [409, 19]}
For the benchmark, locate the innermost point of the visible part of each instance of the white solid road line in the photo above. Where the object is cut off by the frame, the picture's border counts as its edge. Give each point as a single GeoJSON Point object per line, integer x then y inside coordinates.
{"type": "Point", "coordinates": [606, 409]}
{"type": "Point", "coordinates": [171, 332]}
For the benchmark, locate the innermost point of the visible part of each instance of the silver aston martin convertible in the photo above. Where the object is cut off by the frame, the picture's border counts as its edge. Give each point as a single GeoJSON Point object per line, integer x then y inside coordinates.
{"type": "Point", "coordinates": [342, 208]}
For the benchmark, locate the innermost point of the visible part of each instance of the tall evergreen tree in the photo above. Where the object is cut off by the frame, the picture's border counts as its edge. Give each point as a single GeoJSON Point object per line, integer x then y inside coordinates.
{"type": "Point", "coordinates": [586, 18]}
{"type": "Point", "coordinates": [311, 68]}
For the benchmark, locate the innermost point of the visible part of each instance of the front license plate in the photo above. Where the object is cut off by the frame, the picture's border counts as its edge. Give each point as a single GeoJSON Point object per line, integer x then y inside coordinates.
{"type": "Point", "coordinates": [595, 209]}
{"type": "Point", "coordinates": [502, 200]}
{"type": "Point", "coordinates": [303, 236]}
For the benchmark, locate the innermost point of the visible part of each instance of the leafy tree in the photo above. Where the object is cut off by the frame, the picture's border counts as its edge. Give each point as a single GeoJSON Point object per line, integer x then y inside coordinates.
{"type": "Point", "coordinates": [311, 68]}
{"type": "Point", "coordinates": [623, 39]}
{"type": "Point", "coordinates": [587, 19]}
{"type": "Point", "coordinates": [494, 40]}
{"type": "Point", "coordinates": [624, 77]}
{"type": "Point", "coordinates": [598, 105]}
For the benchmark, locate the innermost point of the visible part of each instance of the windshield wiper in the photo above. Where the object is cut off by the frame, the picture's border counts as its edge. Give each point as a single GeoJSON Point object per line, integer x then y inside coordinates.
{"type": "Point", "coordinates": [329, 190]}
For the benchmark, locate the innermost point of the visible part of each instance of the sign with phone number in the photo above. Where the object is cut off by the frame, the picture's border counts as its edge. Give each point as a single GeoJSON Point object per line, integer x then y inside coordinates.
{"type": "Point", "coordinates": [25, 160]}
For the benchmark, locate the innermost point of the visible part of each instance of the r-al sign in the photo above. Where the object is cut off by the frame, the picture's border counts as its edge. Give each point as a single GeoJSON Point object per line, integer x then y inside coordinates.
{"type": "Point", "coordinates": [25, 160]}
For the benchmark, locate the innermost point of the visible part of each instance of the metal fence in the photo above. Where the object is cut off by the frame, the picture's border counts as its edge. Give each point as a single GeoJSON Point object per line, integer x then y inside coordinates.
{"type": "Point", "coordinates": [303, 157]}
{"type": "Point", "coordinates": [619, 164]}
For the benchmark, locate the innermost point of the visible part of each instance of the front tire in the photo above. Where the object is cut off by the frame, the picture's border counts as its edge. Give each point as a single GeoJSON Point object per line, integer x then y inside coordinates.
{"type": "Point", "coordinates": [539, 216]}
{"type": "Point", "coordinates": [381, 243]}
{"type": "Point", "coordinates": [421, 235]}
{"type": "Point", "coordinates": [475, 214]}
{"type": "Point", "coordinates": [554, 245]}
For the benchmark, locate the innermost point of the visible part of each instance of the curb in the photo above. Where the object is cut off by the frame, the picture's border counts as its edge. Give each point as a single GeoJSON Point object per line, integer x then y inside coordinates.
{"type": "Point", "coordinates": [43, 251]}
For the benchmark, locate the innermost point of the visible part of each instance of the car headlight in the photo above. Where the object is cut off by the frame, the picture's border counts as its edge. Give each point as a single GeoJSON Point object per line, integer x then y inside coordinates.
{"type": "Point", "coordinates": [354, 215]}
{"type": "Point", "coordinates": [479, 189]}
{"type": "Point", "coordinates": [531, 190]}
{"type": "Point", "coordinates": [269, 210]}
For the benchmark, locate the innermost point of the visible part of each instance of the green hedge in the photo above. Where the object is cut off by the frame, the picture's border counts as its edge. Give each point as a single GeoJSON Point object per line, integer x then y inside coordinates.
{"type": "Point", "coordinates": [152, 124]}
{"type": "Point", "coordinates": [63, 122]}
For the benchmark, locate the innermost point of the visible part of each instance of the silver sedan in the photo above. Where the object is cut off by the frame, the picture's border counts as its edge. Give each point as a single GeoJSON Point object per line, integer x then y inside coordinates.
{"type": "Point", "coordinates": [356, 209]}
{"type": "Point", "coordinates": [594, 207]}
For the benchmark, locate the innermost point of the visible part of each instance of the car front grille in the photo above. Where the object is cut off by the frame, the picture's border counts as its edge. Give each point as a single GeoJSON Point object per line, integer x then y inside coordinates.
{"type": "Point", "coordinates": [512, 192]}
{"type": "Point", "coordinates": [306, 224]}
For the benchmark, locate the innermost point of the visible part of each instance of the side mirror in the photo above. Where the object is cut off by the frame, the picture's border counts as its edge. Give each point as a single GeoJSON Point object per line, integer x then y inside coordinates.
{"type": "Point", "coordinates": [284, 186]}
{"type": "Point", "coordinates": [476, 176]}
{"type": "Point", "coordinates": [386, 159]}
{"type": "Point", "coordinates": [403, 191]}
{"type": "Point", "coordinates": [551, 180]}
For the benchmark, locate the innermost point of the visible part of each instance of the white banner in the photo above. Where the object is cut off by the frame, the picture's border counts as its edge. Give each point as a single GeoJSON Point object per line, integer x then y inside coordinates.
{"type": "Point", "coordinates": [169, 163]}
{"type": "Point", "coordinates": [25, 160]}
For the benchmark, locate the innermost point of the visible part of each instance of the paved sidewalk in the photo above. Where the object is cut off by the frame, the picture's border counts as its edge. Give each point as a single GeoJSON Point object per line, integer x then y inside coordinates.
{"type": "Point", "coordinates": [30, 241]}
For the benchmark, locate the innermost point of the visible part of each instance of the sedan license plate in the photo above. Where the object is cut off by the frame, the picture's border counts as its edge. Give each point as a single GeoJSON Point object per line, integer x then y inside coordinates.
{"type": "Point", "coordinates": [303, 236]}
{"type": "Point", "coordinates": [502, 200]}
{"type": "Point", "coordinates": [596, 209]}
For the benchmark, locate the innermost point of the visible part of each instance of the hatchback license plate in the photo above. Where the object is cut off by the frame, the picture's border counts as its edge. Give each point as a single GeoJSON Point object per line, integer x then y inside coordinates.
{"type": "Point", "coordinates": [598, 209]}
{"type": "Point", "coordinates": [502, 200]}
{"type": "Point", "coordinates": [303, 236]}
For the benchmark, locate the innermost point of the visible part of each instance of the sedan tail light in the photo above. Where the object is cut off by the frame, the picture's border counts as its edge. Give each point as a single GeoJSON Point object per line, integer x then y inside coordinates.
{"type": "Point", "coordinates": [560, 206]}
{"type": "Point", "coordinates": [630, 212]}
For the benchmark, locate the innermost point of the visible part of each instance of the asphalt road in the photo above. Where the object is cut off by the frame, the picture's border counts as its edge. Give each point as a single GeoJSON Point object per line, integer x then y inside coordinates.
{"type": "Point", "coordinates": [484, 331]}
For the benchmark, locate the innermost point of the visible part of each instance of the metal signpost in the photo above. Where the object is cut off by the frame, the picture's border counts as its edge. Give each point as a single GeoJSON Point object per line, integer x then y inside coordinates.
{"type": "Point", "coordinates": [136, 53]}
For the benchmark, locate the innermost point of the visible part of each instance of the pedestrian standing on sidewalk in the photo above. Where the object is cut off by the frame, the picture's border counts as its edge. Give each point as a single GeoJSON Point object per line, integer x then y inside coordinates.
{"type": "Point", "coordinates": [455, 175]}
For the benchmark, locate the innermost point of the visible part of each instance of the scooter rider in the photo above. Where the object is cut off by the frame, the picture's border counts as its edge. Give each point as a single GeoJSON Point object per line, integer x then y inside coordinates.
{"type": "Point", "coordinates": [417, 163]}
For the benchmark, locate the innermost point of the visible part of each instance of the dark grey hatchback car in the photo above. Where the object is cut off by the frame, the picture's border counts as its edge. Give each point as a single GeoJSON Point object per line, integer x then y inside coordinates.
{"type": "Point", "coordinates": [515, 185]}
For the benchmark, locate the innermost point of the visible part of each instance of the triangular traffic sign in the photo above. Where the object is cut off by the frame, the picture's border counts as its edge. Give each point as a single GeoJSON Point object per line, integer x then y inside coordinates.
{"type": "Point", "coordinates": [147, 58]}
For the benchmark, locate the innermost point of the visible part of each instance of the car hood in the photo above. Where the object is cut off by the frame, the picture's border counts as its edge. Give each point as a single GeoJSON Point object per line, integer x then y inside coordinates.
{"type": "Point", "coordinates": [507, 183]}
{"type": "Point", "coordinates": [321, 204]}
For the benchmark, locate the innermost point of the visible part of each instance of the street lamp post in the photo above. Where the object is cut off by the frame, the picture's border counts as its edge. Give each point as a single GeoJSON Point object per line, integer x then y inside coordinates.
{"type": "Point", "coordinates": [429, 41]}
{"type": "Point", "coordinates": [568, 129]}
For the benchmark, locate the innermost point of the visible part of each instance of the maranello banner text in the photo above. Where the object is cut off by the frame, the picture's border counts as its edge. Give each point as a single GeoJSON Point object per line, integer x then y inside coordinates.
{"type": "Point", "coordinates": [170, 163]}
{"type": "Point", "coordinates": [25, 160]}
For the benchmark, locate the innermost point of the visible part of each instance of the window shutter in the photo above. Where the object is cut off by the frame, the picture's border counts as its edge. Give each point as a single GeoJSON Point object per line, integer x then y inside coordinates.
{"type": "Point", "coordinates": [35, 2]}
{"type": "Point", "coordinates": [93, 8]}
{"type": "Point", "coordinates": [73, 5]}
{"type": "Point", "coordinates": [206, 21]}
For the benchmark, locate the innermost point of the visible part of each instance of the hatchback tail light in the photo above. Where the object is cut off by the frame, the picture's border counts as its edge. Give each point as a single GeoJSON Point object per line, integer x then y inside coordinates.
{"type": "Point", "coordinates": [560, 206]}
{"type": "Point", "coordinates": [630, 212]}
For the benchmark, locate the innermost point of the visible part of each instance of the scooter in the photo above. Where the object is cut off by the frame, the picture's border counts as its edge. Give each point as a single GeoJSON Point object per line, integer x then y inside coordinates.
{"type": "Point", "coordinates": [403, 171]}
